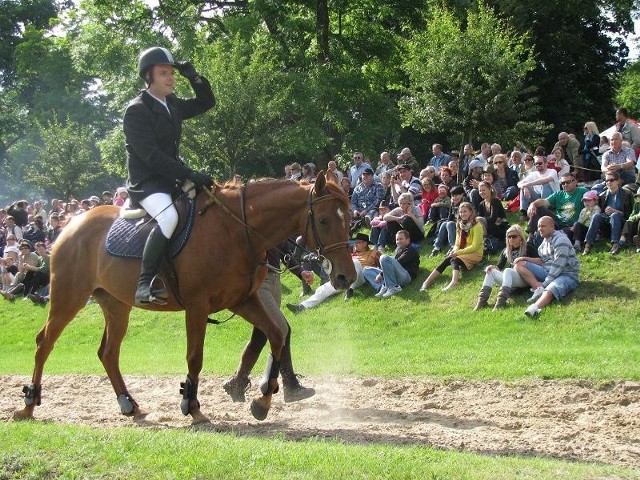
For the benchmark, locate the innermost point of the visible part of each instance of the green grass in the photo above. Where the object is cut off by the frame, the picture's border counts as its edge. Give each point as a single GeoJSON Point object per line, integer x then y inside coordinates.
{"type": "Point", "coordinates": [72, 452]}
{"type": "Point", "coordinates": [592, 335]}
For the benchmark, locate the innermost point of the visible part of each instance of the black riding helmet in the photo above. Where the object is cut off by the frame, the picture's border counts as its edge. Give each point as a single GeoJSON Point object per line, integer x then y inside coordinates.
{"type": "Point", "coordinates": [153, 56]}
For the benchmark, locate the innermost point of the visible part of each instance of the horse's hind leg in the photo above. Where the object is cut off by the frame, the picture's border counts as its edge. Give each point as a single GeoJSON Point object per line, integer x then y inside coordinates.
{"type": "Point", "coordinates": [196, 320]}
{"type": "Point", "coordinates": [60, 315]}
{"type": "Point", "coordinates": [116, 321]}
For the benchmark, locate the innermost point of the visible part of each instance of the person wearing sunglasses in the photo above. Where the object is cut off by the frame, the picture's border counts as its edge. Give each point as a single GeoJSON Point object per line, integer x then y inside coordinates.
{"type": "Point", "coordinates": [539, 183]}
{"type": "Point", "coordinates": [563, 206]}
{"type": "Point", "coordinates": [616, 205]}
{"type": "Point", "coordinates": [507, 278]}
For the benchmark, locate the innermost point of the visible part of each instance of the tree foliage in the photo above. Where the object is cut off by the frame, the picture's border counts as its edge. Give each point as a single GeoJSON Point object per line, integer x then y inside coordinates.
{"type": "Point", "coordinates": [628, 93]}
{"type": "Point", "coordinates": [67, 160]}
{"type": "Point", "coordinates": [468, 78]}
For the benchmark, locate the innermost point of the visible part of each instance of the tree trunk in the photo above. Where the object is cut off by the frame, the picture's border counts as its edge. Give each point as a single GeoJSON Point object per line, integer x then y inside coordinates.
{"type": "Point", "coordinates": [322, 30]}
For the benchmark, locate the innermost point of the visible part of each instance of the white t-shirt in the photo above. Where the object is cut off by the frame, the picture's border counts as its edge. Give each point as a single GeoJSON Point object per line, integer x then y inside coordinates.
{"type": "Point", "coordinates": [536, 175]}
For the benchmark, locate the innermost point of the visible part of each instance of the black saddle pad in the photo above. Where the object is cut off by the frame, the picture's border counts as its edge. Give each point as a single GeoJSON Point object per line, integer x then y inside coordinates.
{"type": "Point", "coordinates": [126, 238]}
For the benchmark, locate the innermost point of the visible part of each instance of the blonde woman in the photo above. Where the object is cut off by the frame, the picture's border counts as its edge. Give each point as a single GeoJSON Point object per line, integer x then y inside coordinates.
{"type": "Point", "coordinates": [507, 278]}
{"type": "Point", "coordinates": [467, 251]}
{"type": "Point", "coordinates": [589, 148]}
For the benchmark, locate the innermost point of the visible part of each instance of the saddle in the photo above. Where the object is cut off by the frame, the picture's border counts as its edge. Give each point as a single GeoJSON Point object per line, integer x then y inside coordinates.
{"type": "Point", "coordinates": [128, 233]}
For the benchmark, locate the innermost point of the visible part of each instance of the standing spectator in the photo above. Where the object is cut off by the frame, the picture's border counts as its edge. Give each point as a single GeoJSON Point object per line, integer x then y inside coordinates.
{"type": "Point", "coordinates": [467, 251]}
{"type": "Point", "coordinates": [296, 171]}
{"type": "Point", "coordinates": [616, 205]}
{"type": "Point", "coordinates": [287, 172]}
{"type": "Point", "coordinates": [554, 273]}
{"type": "Point", "coordinates": [570, 151]}
{"type": "Point", "coordinates": [39, 211]}
{"type": "Point", "coordinates": [620, 160]}
{"type": "Point", "coordinates": [270, 294]}
{"type": "Point", "coordinates": [308, 172]}
{"type": "Point", "coordinates": [54, 230]}
{"type": "Point", "coordinates": [589, 151]}
{"type": "Point", "coordinates": [394, 272]}
{"type": "Point", "coordinates": [355, 171]}
{"type": "Point", "coordinates": [465, 160]}
{"type": "Point", "coordinates": [628, 129]}
{"type": "Point", "coordinates": [439, 159]}
{"type": "Point", "coordinates": [107, 198]}
{"type": "Point", "coordinates": [12, 228]}
{"type": "Point", "coordinates": [484, 155]}
{"type": "Point", "coordinates": [18, 210]}
{"type": "Point", "coordinates": [403, 181]}
{"type": "Point", "coordinates": [366, 197]}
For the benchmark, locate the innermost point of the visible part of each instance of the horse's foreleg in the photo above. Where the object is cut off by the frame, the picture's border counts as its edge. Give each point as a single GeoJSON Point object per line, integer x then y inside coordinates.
{"type": "Point", "coordinates": [255, 312]}
{"type": "Point", "coordinates": [59, 317]}
{"type": "Point", "coordinates": [196, 319]}
{"type": "Point", "coordinates": [116, 317]}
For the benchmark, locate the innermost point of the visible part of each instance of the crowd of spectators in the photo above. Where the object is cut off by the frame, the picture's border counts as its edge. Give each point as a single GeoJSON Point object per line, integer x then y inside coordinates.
{"type": "Point", "coordinates": [28, 230]}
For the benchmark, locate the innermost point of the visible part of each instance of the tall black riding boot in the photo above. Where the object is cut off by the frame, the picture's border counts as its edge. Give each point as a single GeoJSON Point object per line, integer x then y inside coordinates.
{"type": "Point", "coordinates": [154, 251]}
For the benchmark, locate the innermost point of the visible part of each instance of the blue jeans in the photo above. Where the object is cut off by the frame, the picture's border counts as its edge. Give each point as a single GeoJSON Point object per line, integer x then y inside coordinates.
{"type": "Point", "coordinates": [378, 236]}
{"type": "Point", "coordinates": [560, 286]}
{"type": "Point", "coordinates": [615, 221]}
{"type": "Point", "coordinates": [511, 192]}
{"type": "Point", "coordinates": [446, 235]}
{"type": "Point", "coordinates": [524, 201]}
{"type": "Point", "coordinates": [393, 274]}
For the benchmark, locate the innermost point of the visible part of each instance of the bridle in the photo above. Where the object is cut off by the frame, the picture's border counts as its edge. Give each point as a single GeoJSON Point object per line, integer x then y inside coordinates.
{"type": "Point", "coordinates": [321, 250]}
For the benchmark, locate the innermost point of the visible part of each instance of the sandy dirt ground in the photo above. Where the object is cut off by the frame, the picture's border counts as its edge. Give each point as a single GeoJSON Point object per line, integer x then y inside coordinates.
{"type": "Point", "coordinates": [557, 419]}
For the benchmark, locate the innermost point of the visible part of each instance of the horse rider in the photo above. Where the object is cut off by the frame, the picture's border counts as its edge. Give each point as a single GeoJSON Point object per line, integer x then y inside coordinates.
{"type": "Point", "coordinates": [153, 127]}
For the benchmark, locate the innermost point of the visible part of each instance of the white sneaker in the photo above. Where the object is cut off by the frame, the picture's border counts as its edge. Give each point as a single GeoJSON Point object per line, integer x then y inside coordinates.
{"type": "Point", "coordinates": [537, 293]}
{"type": "Point", "coordinates": [381, 292]}
{"type": "Point", "coordinates": [391, 291]}
{"type": "Point", "coordinates": [532, 310]}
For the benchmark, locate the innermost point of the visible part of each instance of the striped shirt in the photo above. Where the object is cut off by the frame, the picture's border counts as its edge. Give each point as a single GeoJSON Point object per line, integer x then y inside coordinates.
{"type": "Point", "coordinates": [558, 257]}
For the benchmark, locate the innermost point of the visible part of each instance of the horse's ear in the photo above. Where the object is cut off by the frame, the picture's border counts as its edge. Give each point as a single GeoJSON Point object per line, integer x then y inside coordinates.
{"type": "Point", "coordinates": [321, 183]}
{"type": "Point", "coordinates": [331, 177]}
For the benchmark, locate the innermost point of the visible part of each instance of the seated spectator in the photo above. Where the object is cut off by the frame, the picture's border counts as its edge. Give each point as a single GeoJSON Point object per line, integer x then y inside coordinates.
{"type": "Point", "coordinates": [554, 273]}
{"type": "Point", "coordinates": [508, 279]}
{"type": "Point", "coordinates": [467, 251]}
{"type": "Point", "coordinates": [429, 173]}
{"type": "Point", "coordinates": [384, 165]}
{"type": "Point", "coordinates": [107, 198]}
{"type": "Point", "coordinates": [309, 172]}
{"type": "Point", "coordinates": [366, 197]}
{"type": "Point", "coordinates": [39, 211]}
{"type": "Point", "coordinates": [440, 206]}
{"type": "Point", "coordinates": [25, 259]}
{"type": "Point", "coordinates": [473, 180]}
{"type": "Point", "coordinates": [394, 272]}
{"type": "Point", "coordinates": [407, 217]}
{"type": "Point", "coordinates": [378, 235]}
{"type": "Point", "coordinates": [557, 162]}
{"type": "Point", "coordinates": [54, 230]}
{"type": "Point", "coordinates": [528, 166]}
{"type": "Point", "coordinates": [439, 159]}
{"type": "Point", "coordinates": [563, 206]}
{"type": "Point", "coordinates": [12, 229]}
{"type": "Point", "coordinates": [9, 267]}
{"type": "Point", "coordinates": [445, 177]}
{"type": "Point", "coordinates": [121, 197]}
{"type": "Point", "coordinates": [616, 205]}
{"type": "Point", "coordinates": [345, 183]}
{"type": "Point", "coordinates": [631, 229]}
{"type": "Point", "coordinates": [506, 179]}
{"type": "Point", "coordinates": [403, 181]}
{"type": "Point", "coordinates": [385, 181]}
{"type": "Point", "coordinates": [429, 195]}
{"type": "Point", "coordinates": [580, 227]}
{"type": "Point", "coordinates": [35, 231]}
{"type": "Point", "coordinates": [493, 217]}
{"type": "Point", "coordinates": [540, 183]}
{"type": "Point", "coordinates": [454, 166]}
{"type": "Point", "coordinates": [619, 159]}
{"type": "Point", "coordinates": [516, 162]}
{"type": "Point", "coordinates": [363, 256]}
{"type": "Point", "coordinates": [446, 227]}
{"type": "Point", "coordinates": [40, 278]}
{"type": "Point", "coordinates": [94, 201]}
{"type": "Point", "coordinates": [296, 171]}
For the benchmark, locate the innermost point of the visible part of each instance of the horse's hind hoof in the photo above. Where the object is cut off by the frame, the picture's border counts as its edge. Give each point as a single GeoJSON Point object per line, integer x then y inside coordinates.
{"type": "Point", "coordinates": [24, 414]}
{"type": "Point", "coordinates": [260, 407]}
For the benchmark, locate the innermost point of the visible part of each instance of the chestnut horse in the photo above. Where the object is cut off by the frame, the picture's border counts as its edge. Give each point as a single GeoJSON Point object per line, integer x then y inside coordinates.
{"type": "Point", "coordinates": [221, 266]}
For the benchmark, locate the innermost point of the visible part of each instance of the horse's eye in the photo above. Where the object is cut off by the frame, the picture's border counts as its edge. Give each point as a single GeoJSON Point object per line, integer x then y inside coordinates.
{"type": "Point", "coordinates": [323, 221]}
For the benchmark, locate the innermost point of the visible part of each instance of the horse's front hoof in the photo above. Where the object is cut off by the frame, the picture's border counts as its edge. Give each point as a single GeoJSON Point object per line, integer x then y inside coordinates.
{"type": "Point", "coordinates": [198, 418]}
{"type": "Point", "coordinates": [260, 407]}
{"type": "Point", "coordinates": [24, 414]}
